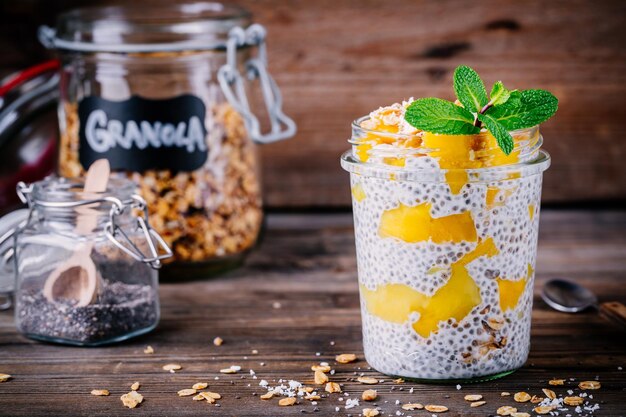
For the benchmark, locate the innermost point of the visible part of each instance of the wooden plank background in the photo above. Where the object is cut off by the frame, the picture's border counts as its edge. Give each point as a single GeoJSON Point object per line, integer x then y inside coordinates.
{"type": "Point", "coordinates": [337, 59]}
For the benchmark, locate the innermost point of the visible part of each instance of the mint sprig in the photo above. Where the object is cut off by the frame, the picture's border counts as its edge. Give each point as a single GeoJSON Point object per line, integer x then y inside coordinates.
{"type": "Point", "coordinates": [499, 94]}
{"type": "Point", "coordinates": [440, 116]}
{"type": "Point", "coordinates": [525, 109]}
{"type": "Point", "coordinates": [469, 89]}
{"type": "Point", "coordinates": [503, 111]}
{"type": "Point", "coordinates": [503, 137]}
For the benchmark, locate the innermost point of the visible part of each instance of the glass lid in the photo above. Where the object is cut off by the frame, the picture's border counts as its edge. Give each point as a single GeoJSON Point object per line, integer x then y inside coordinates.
{"type": "Point", "coordinates": [131, 28]}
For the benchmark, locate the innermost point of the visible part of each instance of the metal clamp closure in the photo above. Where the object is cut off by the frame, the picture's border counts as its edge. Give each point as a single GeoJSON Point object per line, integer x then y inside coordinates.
{"type": "Point", "coordinates": [231, 81]}
{"type": "Point", "coordinates": [119, 238]}
{"type": "Point", "coordinates": [159, 249]}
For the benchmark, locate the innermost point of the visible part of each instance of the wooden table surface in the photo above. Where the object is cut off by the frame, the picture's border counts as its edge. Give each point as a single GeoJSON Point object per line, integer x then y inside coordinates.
{"type": "Point", "coordinates": [306, 263]}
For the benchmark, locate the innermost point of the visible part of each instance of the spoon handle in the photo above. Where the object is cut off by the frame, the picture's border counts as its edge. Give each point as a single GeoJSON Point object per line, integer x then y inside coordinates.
{"type": "Point", "coordinates": [614, 311]}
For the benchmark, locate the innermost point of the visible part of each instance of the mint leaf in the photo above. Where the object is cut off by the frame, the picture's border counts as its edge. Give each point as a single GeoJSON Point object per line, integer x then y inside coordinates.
{"type": "Point", "coordinates": [469, 89]}
{"type": "Point", "coordinates": [499, 94]}
{"type": "Point", "coordinates": [525, 109]}
{"type": "Point", "coordinates": [440, 116]}
{"type": "Point", "coordinates": [503, 137]}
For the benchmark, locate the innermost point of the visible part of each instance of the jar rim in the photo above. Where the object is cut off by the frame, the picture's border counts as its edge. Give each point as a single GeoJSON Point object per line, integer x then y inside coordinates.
{"type": "Point", "coordinates": [535, 166]}
{"type": "Point", "coordinates": [356, 125]}
{"type": "Point", "coordinates": [162, 27]}
{"type": "Point", "coordinates": [53, 189]}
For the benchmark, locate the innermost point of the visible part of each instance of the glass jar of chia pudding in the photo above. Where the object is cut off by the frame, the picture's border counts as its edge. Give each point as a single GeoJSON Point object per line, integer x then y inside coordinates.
{"type": "Point", "coordinates": [77, 284]}
{"type": "Point", "coordinates": [446, 237]}
{"type": "Point", "coordinates": [167, 94]}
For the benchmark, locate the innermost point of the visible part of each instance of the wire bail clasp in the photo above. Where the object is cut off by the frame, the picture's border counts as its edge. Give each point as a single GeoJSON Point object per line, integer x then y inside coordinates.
{"type": "Point", "coordinates": [231, 81]}
{"type": "Point", "coordinates": [120, 239]}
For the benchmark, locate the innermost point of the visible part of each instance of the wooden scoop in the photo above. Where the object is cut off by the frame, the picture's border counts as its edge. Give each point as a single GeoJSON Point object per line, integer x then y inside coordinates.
{"type": "Point", "coordinates": [76, 278]}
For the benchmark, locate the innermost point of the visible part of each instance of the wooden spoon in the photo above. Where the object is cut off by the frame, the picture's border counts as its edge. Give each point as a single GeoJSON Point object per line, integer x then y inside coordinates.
{"type": "Point", "coordinates": [76, 278]}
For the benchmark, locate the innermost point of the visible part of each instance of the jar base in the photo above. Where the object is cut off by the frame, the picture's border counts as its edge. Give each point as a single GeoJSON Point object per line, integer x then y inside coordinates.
{"type": "Point", "coordinates": [95, 343]}
{"type": "Point", "coordinates": [194, 271]}
{"type": "Point", "coordinates": [474, 380]}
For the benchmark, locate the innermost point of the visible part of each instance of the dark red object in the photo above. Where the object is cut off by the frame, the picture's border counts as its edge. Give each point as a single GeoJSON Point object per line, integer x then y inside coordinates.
{"type": "Point", "coordinates": [28, 128]}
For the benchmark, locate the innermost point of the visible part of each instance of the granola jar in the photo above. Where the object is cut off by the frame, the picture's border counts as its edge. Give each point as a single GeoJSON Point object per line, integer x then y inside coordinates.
{"type": "Point", "coordinates": [80, 285]}
{"type": "Point", "coordinates": [159, 92]}
{"type": "Point", "coordinates": [446, 238]}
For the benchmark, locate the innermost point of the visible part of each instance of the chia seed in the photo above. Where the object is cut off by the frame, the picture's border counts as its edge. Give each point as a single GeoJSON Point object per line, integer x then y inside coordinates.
{"type": "Point", "coordinates": [120, 309]}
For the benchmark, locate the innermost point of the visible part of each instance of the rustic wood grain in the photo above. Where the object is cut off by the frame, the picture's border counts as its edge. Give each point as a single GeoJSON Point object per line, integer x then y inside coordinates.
{"type": "Point", "coordinates": [307, 264]}
{"type": "Point", "coordinates": [338, 59]}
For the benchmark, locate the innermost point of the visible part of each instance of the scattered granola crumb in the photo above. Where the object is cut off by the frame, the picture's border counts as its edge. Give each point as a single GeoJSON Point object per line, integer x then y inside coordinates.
{"type": "Point", "coordinates": [218, 341]}
{"type": "Point", "coordinates": [200, 385]}
{"type": "Point", "coordinates": [556, 382]}
{"type": "Point", "coordinates": [135, 386]}
{"type": "Point", "coordinates": [232, 370]}
{"type": "Point", "coordinates": [549, 393]}
{"type": "Point", "coordinates": [436, 408]}
{"type": "Point", "coordinates": [585, 385]}
{"type": "Point", "coordinates": [210, 399]}
{"type": "Point", "coordinates": [320, 378]}
{"type": "Point", "coordinates": [369, 395]}
{"type": "Point", "coordinates": [370, 412]}
{"type": "Point", "coordinates": [332, 387]}
{"type": "Point", "coordinates": [412, 406]}
{"type": "Point", "coordinates": [520, 414]}
{"type": "Point", "coordinates": [255, 352]}
{"type": "Point", "coordinates": [505, 394]}
{"type": "Point", "coordinates": [198, 397]}
{"type": "Point", "coordinates": [536, 399]}
{"type": "Point", "coordinates": [148, 350]}
{"type": "Point", "coordinates": [321, 368]}
{"type": "Point", "coordinates": [5, 377]}
{"type": "Point", "coordinates": [544, 409]}
{"type": "Point", "coordinates": [286, 402]}
{"type": "Point", "coordinates": [172, 367]}
{"type": "Point", "coordinates": [132, 399]}
{"type": "Point", "coordinates": [345, 358]}
{"type": "Point", "coordinates": [477, 403]}
{"type": "Point", "coordinates": [521, 397]}
{"type": "Point", "coordinates": [367, 380]}
{"type": "Point", "coordinates": [100, 392]}
{"type": "Point", "coordinates": [187, 392]}
{"type": "Point", "coordinates": [473, 397]}
{"type": "Point", "coordinates": [213, 395]}
{"type": "Point", "coordinates": [398, 381]}
{"type": "Point", "coordinates": [573, 401]}
{"type": "Point", "coordinates": [506, 410]}
{"type": "Point", "coordinates": [267, 396]}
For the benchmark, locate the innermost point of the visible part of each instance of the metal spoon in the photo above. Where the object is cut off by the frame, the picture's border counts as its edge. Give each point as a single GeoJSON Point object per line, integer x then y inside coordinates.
{"type": "Point", "coordinates": [569, 297]}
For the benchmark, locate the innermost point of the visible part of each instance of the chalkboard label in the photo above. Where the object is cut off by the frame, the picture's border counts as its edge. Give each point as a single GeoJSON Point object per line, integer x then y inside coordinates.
{"type": "Point", "coordinates": [139, 134]}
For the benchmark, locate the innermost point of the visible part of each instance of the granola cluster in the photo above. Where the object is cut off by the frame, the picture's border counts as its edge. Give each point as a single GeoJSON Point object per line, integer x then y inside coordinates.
{"type": "Point", "coordinates": [212, 212]}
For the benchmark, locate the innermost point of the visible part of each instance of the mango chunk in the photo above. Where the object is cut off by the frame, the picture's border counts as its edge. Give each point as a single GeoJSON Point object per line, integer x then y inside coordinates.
{"type": "Point", "coordinates": [492, 194]}
{"type": "Point", "coordinates": [358, 193]}
{"type": "Point", "coordinates": [511, 291]}
{"type": "Point", "coordinates": [414, 224]}
{"type": "Point", "coordinates": [454, 300]}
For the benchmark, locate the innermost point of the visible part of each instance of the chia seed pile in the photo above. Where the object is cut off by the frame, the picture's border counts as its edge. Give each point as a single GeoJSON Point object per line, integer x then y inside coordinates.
{"type": "Point", "coordinates": [467, 349]}
{"type": "Point", "coordinates": [120, 309]}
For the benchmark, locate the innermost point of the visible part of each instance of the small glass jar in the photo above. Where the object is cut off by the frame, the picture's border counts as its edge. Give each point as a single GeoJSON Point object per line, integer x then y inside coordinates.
{"type": "Point", "coordinates": [446, 237]}
{"type": "Point", "coordinates": [159, 92]}
{"type": "Point", "coordinates": [52, 259]}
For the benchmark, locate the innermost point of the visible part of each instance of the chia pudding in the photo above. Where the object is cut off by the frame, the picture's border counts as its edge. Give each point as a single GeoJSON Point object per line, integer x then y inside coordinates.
{"type": "Point", "coordinates": [446, 238]}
